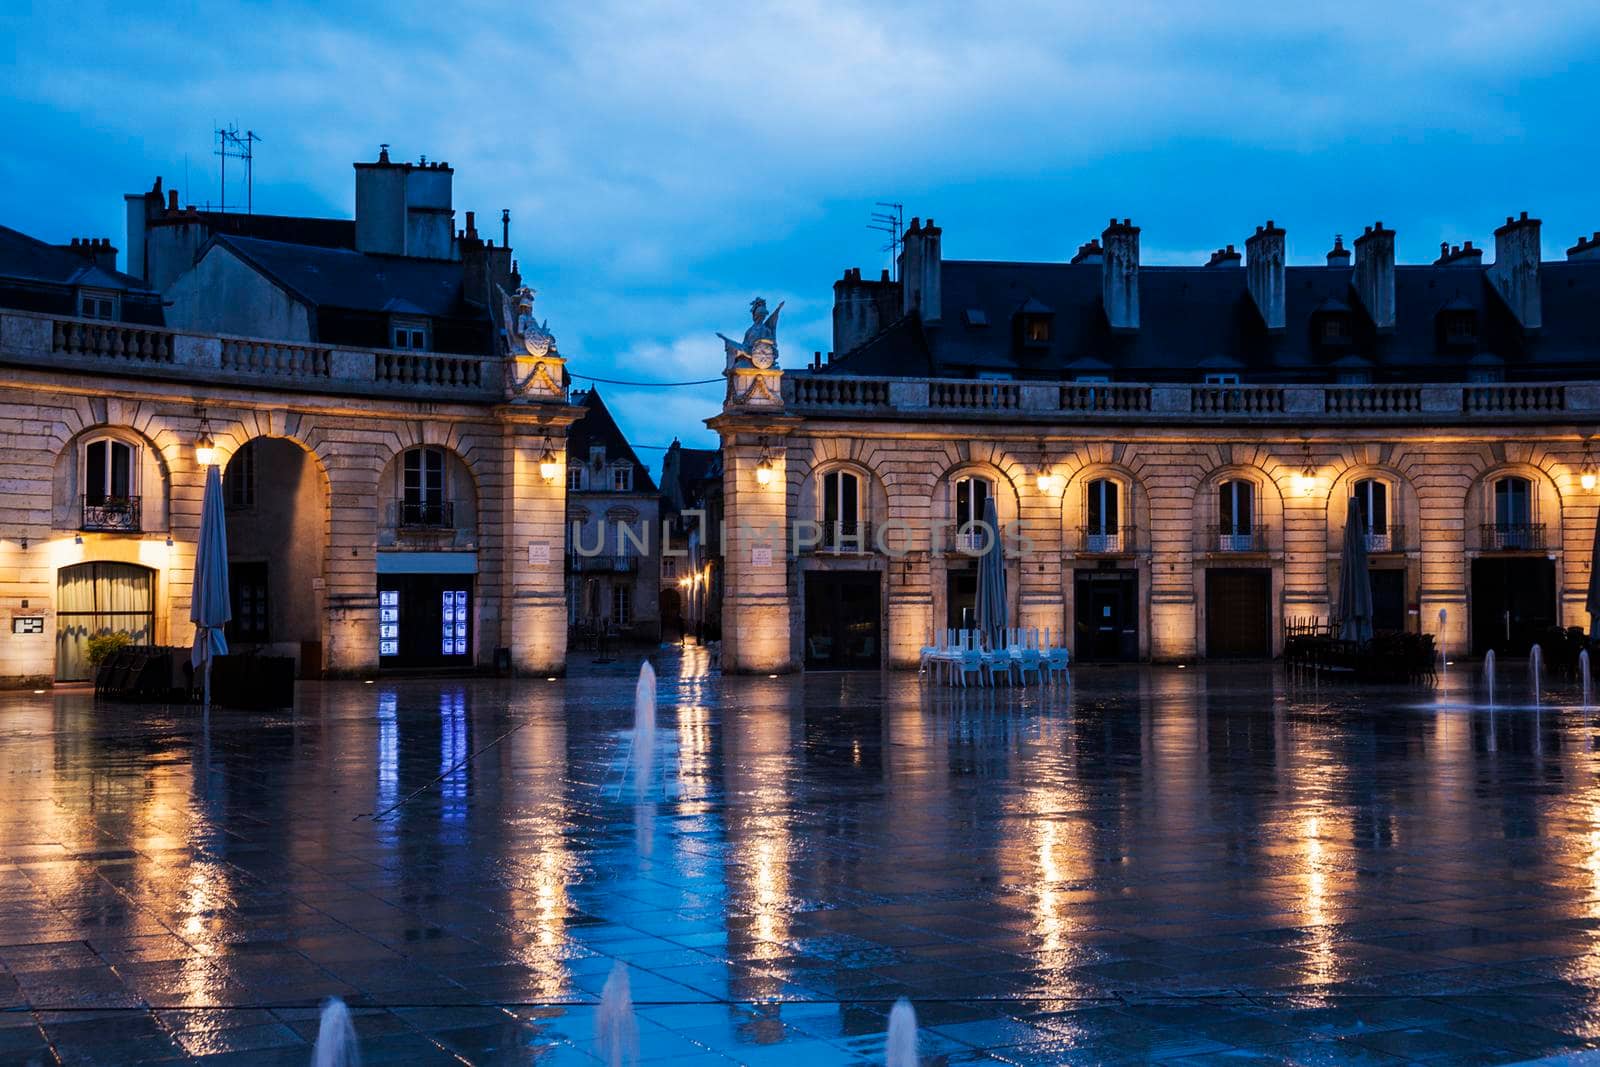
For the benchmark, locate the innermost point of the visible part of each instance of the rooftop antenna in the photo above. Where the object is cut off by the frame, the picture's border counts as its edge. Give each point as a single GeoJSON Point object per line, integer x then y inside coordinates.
{"type": "Point", "coordinates": [231, 144]}
{"type": "Point", "coordinates": [893, 223]}
{"type": "Point", "coordinates": [505, 227]}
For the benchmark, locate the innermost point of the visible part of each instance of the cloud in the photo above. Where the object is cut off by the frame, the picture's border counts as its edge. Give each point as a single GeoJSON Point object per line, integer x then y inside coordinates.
{"type": "Point", "coordinates": [664, 162]}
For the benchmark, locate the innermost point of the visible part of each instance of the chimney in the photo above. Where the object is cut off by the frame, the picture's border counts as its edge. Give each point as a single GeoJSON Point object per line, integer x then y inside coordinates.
{"type": "Point", "coordinates": [1264, 273]}
{"type": "Point", "coordinates": [96, 250]}
{"type": "Point", "coordinates": [1119, 274]}
{"type": "Point", "coordinates": [921, 267]}
{"type": "Point", "coordinates": [1089, 252]}
{"type": "Point", "coordinates": [1226, 257]}
{"type": "Point", "coordinates": [862, 308]}
{"type": "Point", "coordinates": [140, 209]}
{"type": "Point", "coordinates": [1374, 279]}
{"type": "Point", "coordinates": [1586, 248]}
{"type": "Point", "coordinates": [1461, 255]}
{"type": "Point", "coordinates": [404, 209]}
{"type": "Point", "coordinates": [1338, 255]}
{"type": "Point", "coordinates": [1515, 273]}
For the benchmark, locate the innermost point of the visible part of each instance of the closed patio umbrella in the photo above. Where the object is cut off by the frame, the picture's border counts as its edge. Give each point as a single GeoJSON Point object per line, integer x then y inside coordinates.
{"type": "Point", "coordinates": [992, 608]}
{"type": "Point", "coordinates": [1593, 603]}
{"type": "Point", "coordinates": [208, 607]}
{"type": "Point", "coordinates": [1355, 583]}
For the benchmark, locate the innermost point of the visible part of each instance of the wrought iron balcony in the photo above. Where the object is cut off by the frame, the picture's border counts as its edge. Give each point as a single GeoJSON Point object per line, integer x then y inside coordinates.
{"type": "Point", "coordinates": [579, 563]}
{"type": "Point", "coordinates": [1105, 541]}
{"type": "Point", "coordinates": [1233, 539]}
{"type": "Point", "coordinates": [1513, 536]}
{"type": "Point", "coordinates": [1390, 538]}
{"type": "Point", "coordinates": [968, 538]}
{"type": "Point", "coordinates": [111, 514]}
{"type": "Point", "coordinates": [440, 515]}
{"type": "Point", "coordinates": [838, 538]}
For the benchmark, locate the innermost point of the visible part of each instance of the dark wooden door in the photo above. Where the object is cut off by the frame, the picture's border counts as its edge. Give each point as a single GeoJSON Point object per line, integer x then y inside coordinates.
{"type": "Point", "coordinates": [1513, 603]}
{"type": "Point", "coordinates": [1105, 609]}
{"type": "Point", "coordinates": [1238, 613]}
{"type": "Point", "coordinates": [1388, 599]}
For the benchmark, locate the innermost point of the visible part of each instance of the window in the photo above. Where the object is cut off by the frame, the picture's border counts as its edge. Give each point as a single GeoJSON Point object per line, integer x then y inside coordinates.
{"type": "Point", "coordinates": [110, 471]}
{"type": "Point", "coordinates": [971, 505]}
{"type": "Point", "coordinates": [1371, 498]}
{"type": "Point", "coordinates": [622, 477]}
{"type": "Point", "coordinates": [976, 317]}
{"type": "Point", "coordinates": [1460, 327]}
{"type": "Point", "coordinates": [1036, 330]}
{"type": "Point", "coordinates": [240, 480]}
{"type": "Point", "coordinates": [1485, 375]}
{"type": "Point", "coordinates": [411, 335]}
{"type": "Point", "coordinates": [1335, 330]}
{"type": "Point", "coordinates": [247, 593]}
{"type": "Point", "coordinates": [1513, 502]}
{"type": "Point", "coordinates": [574, 477]}
{"type": "Point", "coordinates": [1103, 532]}
{"type": "Point", "coordinates": [1235, 513]}
{"type": "Point", "coordinates": [95, 304]}
{"type": "Point", "coordinates": [841, 507]}
{"type": "Point", "coordinates": [621, 605]}
{"type": "Point", "coordinates": [422, 489]}
{"type": "Point", "coordinates": [1222, 379]}
{"type": "Point", "coordinates": [1355, 377]}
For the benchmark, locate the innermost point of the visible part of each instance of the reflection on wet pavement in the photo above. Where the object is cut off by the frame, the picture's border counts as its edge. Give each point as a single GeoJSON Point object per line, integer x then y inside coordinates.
{"type": "Point", "coordinates": [1185, 866]}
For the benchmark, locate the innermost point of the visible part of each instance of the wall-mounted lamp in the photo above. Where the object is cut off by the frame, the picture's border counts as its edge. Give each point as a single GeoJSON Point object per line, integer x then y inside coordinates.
{"type": "Point", "coordinates": [1050, 483]}
{"type": "Point", "coordinates": [766, 470]}
{"type": "Point", "coordinates": [77, 539]}
{"type": "Point", "coordinates": [1586, 474]}
{"type": "Point", "coordinates": [205, 449]}
{"type": "Point", "coordinates": [549, 466]}
{"type": "Point", "coordinates": [1306, 480]}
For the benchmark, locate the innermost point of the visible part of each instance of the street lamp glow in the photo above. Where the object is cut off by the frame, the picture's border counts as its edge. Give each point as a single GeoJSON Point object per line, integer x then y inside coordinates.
{"type": "Point", "coordinates": [205, 450]}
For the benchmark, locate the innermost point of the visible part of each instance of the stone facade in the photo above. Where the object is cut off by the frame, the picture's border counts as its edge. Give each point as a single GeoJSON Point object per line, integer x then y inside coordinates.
{"type": "Point", "coordinates": [1438, 450]}
{"type": "Point", "coordinates": [65, 381]}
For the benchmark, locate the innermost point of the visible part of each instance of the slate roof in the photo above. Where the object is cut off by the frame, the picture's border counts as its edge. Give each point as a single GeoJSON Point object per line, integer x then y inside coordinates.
{"type": "Point", "coordinates": [29, 259]}
{"type": "Point", "coordinates": [294, 229]}
{"type": "Point", "coordinates": [1196, 318]}
{"type": "Point", "coordinates": [344, 278]}
{"type": "Point", "coordinates": [597, 427]}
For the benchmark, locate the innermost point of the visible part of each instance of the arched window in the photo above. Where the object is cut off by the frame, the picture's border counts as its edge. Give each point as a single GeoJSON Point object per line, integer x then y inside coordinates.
{"type": "Point", "coordinates": [1236, 516]}
{"type": "Point", "coordinates": [110, 485]}
{"type": "Point", "coordinates": [1371, 501]}
{"type": "Point", "coordinates": [1102, 511]}
{"type": "Point", "coordinates": [423, 501]}
{"type": "Point", "coordinates": [972, 495]}
{"type": "Point", "coordinates": [1514, 526]}
{"type": "Point", "coordinates": [841, 507]}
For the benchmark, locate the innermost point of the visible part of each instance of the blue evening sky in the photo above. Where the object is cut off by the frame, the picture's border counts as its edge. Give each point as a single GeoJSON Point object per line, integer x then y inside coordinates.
{"type": "Point", "coordinates": [665, 162]}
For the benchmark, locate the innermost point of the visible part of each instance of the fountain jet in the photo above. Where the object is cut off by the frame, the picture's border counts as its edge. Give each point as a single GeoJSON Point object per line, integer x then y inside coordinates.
{"type": "Point", "coordinates": [644, 727]}
{"type": "Point", "coordinates": [616, 1029]}
{"type": "Point", "coordinates": [901, 1047]}
{"type": "Point", "coordinates": [1488, 674]}
{"type": "Point", "coordinates": [336, 1037]}
{"type": "Point", "coordinates": [1535, 669]}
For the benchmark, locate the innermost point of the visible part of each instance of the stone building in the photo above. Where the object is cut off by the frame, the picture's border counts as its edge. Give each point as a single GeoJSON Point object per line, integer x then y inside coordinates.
{"type": "Point", "coordinates": [1171, 450]}
{"type": "Point", "coordinates": [691, 572]}
{"type": "Point", "coordinates": [392, 463]}
{"type": "Point", "coordinates": [613, 531]}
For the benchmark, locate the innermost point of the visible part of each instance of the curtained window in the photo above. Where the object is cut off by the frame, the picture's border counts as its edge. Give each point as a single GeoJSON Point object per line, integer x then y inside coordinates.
{"type": "Point", "coordinates": [92, 597]}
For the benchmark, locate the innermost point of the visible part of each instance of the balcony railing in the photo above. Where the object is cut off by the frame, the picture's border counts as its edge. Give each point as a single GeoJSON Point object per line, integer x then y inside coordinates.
{"type": "Point", "coordinates": [939, 398]}
{"type": "Point", "coordinates": [439, 515]}
{"type": "Point", "coordinates": [156, 352]}
{"type": "Point", "coordinates": [839, 538]}
{"type": "Point", "coordinates": [1513, 536]}
{"type": "Point", "coordinates": [1231, 539]}
{"type": "Point", "coordinates": [582, 564]}
{"type": "Point", "coordinates": [111, 514]}
{"type": "Point", "coordinates": [1105, 541]}
{"type": "Point", "coordinates": [1386, 539]}
{"type": "Point", "coordinates": [967, 539]}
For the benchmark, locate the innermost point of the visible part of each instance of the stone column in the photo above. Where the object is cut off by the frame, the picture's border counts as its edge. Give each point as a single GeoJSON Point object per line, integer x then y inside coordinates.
{"type": "Point", "coordinates": [757, 585]}
{"type": "Point", "coordinates": [535, 599]}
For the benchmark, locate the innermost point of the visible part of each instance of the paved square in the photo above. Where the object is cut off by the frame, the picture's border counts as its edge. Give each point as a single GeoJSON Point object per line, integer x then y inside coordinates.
{"type": "Point", "coordinates": [1187, 866]}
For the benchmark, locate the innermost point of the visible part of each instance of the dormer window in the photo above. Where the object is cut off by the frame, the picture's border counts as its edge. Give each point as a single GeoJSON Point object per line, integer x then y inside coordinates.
{"type": "Point", "coordinates": [1460, 328]}
{"type": "Point", "coordinates": [1034, 324]}
{"type": "Point", "coordinates": [1335, 330]}
{"type": "Point", "coordinates": [574, 478]}
{"type": "Point", "coordinates": [97, 304]}
{"type": "Point", "coordinates": [1226, 378]}
{"type": "Point", "coordinates": [622, 478]}
{"type": "Point", "coordinates": [411, 334]}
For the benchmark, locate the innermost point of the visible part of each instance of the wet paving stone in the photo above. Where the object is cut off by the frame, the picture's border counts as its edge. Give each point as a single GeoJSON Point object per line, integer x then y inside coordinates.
{"type": "Point", "coordinates": [1215, 865]}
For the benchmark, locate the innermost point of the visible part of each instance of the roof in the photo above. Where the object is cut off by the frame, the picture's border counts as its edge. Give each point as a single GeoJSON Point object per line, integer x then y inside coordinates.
{"type": "Point", "coordinates": [1197, 317]}
{"type": "Point", "coordinates": [30, 259]}
{"type": "Point", "coordinates": [598, 428]}
{"type": "Point", "coordinates": [294, 229]}
{"type": "Point", "coordinates": [344, 278]}
{"type": "Point", "coordinates": [698, 464]}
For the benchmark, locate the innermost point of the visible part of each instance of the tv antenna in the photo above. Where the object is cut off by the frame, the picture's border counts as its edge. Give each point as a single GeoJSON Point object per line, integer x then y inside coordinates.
{"type": "Point", "coordinates": [893, 223]}
{"type": "Point", "coordinates": [231, 144]}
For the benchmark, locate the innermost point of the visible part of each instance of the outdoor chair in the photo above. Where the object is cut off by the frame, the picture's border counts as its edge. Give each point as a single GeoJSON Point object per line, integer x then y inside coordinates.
{"type": "Point", "coordinates": [971, 661]}
{"type": "Point", "coordinates": [1055, 664]}
{"type": "Point", "coordinates": [1029, 661]}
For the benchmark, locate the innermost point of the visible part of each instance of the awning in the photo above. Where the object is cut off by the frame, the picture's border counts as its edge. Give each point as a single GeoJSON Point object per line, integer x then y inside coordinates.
{"type": "Point", "coordinates": [427, 563]}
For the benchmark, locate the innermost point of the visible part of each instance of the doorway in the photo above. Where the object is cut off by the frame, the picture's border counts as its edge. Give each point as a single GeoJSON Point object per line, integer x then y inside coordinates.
{"type": "Point", "coordinates": [1238, 613]}
{"type": "Point", "coordinates": [961, 597]}
{"type": "Point", "coordinates": [425, 621]}
{"type": "Point", "coordinates": [1106, 614]}
{"type": "Point", "coordinates": [95, 597]}
{"type": "Point", "coordinates": [1388, 599]}
{"type": "Point", "coordinates": [1513, 603]}
{"type": "Point", "coordinates": [842, 624]}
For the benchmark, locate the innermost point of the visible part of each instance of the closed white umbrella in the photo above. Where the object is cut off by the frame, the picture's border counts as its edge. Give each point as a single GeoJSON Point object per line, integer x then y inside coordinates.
{"type": "Point", "coordinates": [208, 608]}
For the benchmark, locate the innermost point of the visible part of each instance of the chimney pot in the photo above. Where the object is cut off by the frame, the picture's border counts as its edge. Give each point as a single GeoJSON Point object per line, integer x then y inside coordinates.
{"type": "Point", "coordinates": [1119, 275]}
{"type": "Point", "coordinates": [1265, 274]}
{"type": "Point", "coordinates": [1374, 275]}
